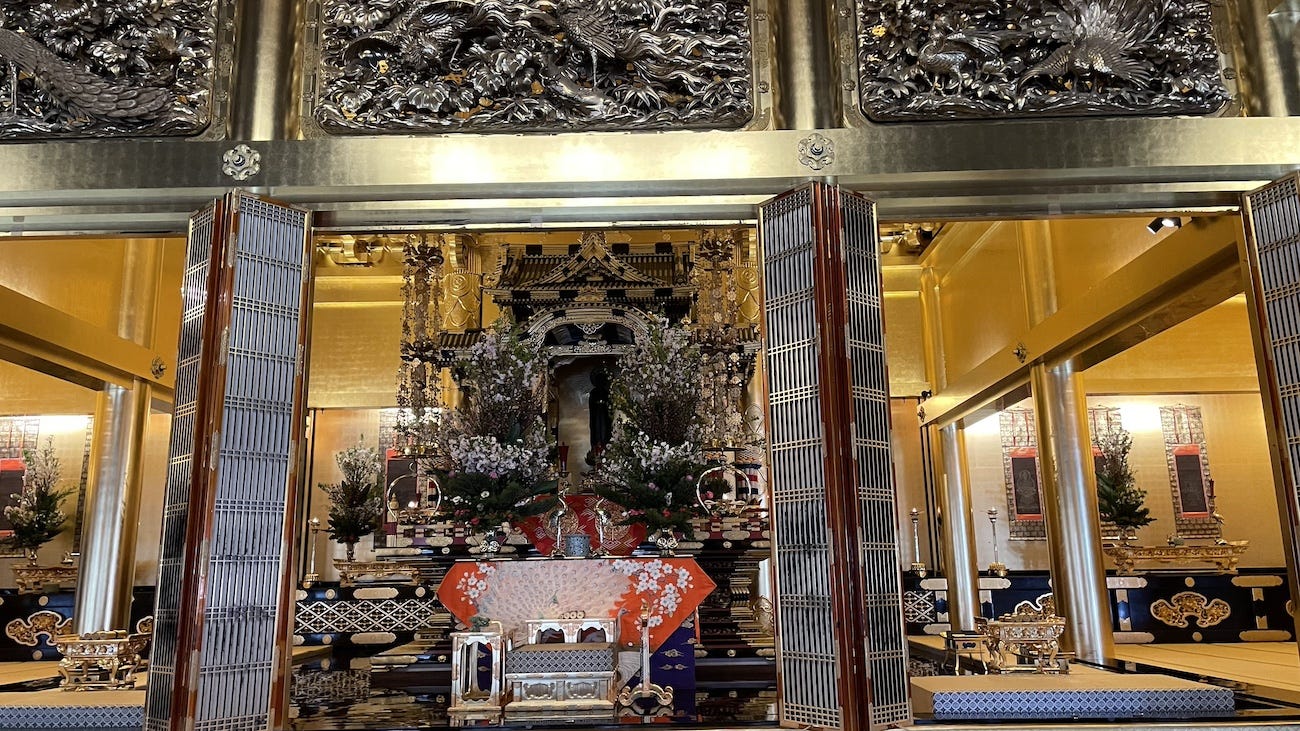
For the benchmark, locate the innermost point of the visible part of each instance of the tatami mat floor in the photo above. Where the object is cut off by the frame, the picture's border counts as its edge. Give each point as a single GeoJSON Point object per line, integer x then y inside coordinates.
{"type": "Point", "coordinates": [1270, 664]}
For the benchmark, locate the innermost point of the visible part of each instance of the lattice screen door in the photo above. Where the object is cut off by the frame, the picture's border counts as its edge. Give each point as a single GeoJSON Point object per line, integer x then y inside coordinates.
{"type": "Point", "coordinates": [1271, 258]}
{"type": "Point", "coordinates": [225, 583]}
{"type": "Point", "coordinates": [841, 652]}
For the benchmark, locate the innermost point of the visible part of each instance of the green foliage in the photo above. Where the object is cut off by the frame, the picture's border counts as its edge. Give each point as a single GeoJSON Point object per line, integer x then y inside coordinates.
{"type": "Point", "coordinates": [36, 516]}
{"type": "Point", "coordinates": [357, 501]}
{"type": "Point", "coordinates": [661, 497]}
{"type": "Point", "coordinates": [484, 500]}
{"type": "Point", "coordinates": [1119, 500]}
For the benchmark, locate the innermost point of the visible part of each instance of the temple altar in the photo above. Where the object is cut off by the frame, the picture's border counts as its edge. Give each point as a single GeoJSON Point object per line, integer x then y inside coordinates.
{"type": "Point", "coordinates": [516, 592]}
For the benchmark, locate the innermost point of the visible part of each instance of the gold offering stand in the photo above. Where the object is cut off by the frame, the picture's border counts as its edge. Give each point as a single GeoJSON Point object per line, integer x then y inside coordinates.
{"type": "Point", "coordinates": [1224, 555]}
{"type": "Point", "coordinates": [1027, 640]}
{"type": "Point", "coordinates": [350, 572]}
{"type": "Point", "coordinates": [103, 660]}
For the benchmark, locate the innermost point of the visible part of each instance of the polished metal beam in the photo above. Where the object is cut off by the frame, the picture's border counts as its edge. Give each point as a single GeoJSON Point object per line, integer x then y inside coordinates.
{"type": "Point", "coordinates": [960, 565]}
{"type": "Point", "coordinates": [1070, 511]}
{"type": "Point", "coordinates": [1264, 42]}
{"type": "Point", "coordinates": [946, 170]}
{"type": "Point", "coordinates": [43, 338]}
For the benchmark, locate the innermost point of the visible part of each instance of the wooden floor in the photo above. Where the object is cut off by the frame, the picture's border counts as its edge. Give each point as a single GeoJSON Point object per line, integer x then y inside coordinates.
{"type": "Point", "coordinates": [1270, 664]}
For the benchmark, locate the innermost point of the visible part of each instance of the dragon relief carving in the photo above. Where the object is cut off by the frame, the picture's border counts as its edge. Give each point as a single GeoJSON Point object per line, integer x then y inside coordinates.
{"type": "Point", "coordinates": [533, 65]}
{"type": "Point", "coordinates": [104, 68]}
{"type": "Point", "coordinates": [1189, 604]}
{"type": "Point", "coordinates": [955, 59]}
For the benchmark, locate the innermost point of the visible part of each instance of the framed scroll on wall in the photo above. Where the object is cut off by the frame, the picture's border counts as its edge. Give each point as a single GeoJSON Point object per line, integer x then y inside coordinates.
{"type": "Point", "coordinates": [1019, 435]}
{"type": "Point", "coordinates": [1190, 486]}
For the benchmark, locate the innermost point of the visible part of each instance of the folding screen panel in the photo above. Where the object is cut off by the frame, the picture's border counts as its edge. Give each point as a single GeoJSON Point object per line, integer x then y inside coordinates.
{"type": "Point", "coordinates": [842, 660]}
{"type": "Point", "coordinates": [225, 599]}
{"type": "Point", "coordinates": [1272, 258]}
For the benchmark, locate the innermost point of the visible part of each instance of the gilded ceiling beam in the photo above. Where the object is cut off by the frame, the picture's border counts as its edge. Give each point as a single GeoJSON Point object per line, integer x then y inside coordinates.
{"type": "Point", "coordinates": [45, 339]}
{"type": "Point", "coordinates": [942, 170]}
{"type": "Point", "coordinates": [1189, 271]}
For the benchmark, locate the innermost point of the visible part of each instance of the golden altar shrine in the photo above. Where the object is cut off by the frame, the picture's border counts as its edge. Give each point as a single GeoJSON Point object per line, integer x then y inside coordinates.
{"type": "Point", "coordinates": [565, 629]}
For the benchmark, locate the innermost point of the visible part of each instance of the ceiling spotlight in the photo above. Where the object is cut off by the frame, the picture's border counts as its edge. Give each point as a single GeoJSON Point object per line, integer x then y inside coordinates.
{"type": "Point", "coordinates": [1164, 222]}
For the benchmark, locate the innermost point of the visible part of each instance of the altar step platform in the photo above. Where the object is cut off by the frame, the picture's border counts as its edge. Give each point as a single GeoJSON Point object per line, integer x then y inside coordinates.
{"type": "Point", "coordinates": [31, 698]}
{"type": "Point", "coordinates": [1076, 696]}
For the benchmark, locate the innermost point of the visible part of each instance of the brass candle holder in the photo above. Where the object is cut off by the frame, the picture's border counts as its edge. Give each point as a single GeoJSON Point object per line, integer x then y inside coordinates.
{"type": "Point", "coordinates": [312, 577]}
{"type": "Point", "coordinates": [918, 566]}
{"type": "Point", "coordinates": [997, 568]}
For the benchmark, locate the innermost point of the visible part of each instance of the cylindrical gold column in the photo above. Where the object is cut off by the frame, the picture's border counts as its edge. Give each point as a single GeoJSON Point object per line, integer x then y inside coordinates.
{"type": "Point", "coordinates": [806, 97]}
{"type": "Point", "coordinates": [958, 532]}
{"type": "Point", "coordinates": [1070, 510]}
{"type": "Point", "coordinates": [106, 578]}
{"type": "Point", "coordinates": [263, 91]}
{"type": "Point", "coordinates": [107, 574]}
{"type": "Point", "coordinates": [1268, 58]}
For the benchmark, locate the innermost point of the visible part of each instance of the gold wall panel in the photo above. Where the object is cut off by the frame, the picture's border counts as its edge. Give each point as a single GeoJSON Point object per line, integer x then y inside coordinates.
{"type": "Point", "coordinates": [82, 277]}
{"type": "Point", "coordinates": [981, 294]}
{"type": "Point", "coordinates": [1210, 352]}
{"type": "Point", "coordinates": [354, 355]}
{"type": "Point", "coordinates": [904, 344]}
{"type": "Point", "coordinates": [24, 391]}
{"type": "Point", "coordinates": [1087, 250]}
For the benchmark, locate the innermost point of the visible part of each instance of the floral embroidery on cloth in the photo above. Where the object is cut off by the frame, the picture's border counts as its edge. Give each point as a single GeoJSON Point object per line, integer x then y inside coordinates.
{"type": "Point", "coordinates": [512, 592]}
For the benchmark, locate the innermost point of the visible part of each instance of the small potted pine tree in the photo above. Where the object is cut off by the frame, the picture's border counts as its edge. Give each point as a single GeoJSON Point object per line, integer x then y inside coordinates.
{"type": "Point", "coordinates": [356, 501]}
{"type": "Point", "coordinates": [37, 516]}
{"type": "Point", "coordinates": [1119, 500]}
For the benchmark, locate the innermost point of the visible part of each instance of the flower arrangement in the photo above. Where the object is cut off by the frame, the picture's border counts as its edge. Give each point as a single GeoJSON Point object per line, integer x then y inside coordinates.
{"type": "Point", "coordinates": [36, 517]}
{"type": "Point", "coordinates": [654, 458]}
{"type": "Point", "coordinates": [498, 452]}
{"type": "Point", "coordinates": [356, 501]}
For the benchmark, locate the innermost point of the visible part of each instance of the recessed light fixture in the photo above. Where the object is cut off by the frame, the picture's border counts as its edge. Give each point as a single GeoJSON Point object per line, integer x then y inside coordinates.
{"type": "Point", "coordinates": [1164, 222]}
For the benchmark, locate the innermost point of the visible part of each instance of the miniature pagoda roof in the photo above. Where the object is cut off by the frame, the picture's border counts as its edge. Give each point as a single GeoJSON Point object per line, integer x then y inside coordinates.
{"type": "Point", "coordinates": [591, 273]}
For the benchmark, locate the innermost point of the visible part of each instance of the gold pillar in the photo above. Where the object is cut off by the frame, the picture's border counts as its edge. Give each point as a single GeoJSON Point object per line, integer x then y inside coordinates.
{"type": "Point", "coordinates": [1268, 56]}
{"type": "Point", "coordinates": [958, 532]}
{"type": "Point", "coordinates": [1066, 466]}
{"type": "Point", "coordinates": [1070, 510]}
{"type": "Point", "coordinates": [106, 578]}
{"type": "Point", "coordinates": [804, 31]}
{"type": "Point", "coordinates": [266, 74]}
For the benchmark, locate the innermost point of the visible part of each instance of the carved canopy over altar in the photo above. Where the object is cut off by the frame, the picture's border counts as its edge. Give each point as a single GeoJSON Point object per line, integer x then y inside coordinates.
{"type": "Point", "coordinates": [513, 592]}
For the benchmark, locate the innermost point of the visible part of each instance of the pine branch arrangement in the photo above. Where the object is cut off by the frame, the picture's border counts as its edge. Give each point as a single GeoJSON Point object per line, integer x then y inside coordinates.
{"type": "Point", "coordinates": [1119, 499]}
{"type": "Point", "coordinates": [357, 501]}
{"type": "Point", "coordinates": [36, 517]}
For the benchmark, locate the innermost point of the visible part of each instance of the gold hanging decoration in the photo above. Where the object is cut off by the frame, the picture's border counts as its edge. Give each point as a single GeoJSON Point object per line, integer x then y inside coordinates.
{"type": "Point", "coordinates": [419, 378]}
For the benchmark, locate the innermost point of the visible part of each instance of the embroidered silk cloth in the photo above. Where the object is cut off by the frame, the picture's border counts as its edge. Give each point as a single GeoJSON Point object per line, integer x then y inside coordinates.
{"type": "Point", "coordinates": [513, 592]}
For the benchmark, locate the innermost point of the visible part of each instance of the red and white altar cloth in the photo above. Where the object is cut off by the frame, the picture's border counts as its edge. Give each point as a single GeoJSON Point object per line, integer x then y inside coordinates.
{"type": "Point", "coordinates": [513, 592]}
